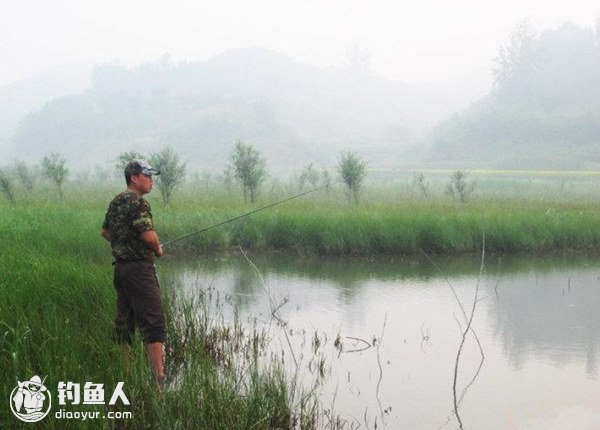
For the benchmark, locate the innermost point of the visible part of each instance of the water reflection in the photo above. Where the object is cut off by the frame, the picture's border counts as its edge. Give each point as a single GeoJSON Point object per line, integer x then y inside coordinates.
{"type": "Point", "coordinates": [545, 306]}
{"type": "Point", "coordinates": [552, 314]}
{"type": "Point", "coordinates": [538, 323]}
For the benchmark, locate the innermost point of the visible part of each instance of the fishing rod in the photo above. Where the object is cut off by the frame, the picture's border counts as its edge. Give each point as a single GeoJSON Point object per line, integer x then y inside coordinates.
{"type": "Point", "coordinates": [243, 215]}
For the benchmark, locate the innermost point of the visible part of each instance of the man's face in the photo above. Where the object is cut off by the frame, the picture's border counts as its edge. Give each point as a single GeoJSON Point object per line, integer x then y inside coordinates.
{"type": "Point", "coordinates": [142, 183]}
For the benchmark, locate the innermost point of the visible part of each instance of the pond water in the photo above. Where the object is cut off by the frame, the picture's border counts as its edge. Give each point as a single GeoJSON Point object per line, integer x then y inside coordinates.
{"type": "Point", "coordinates": [379, 338]}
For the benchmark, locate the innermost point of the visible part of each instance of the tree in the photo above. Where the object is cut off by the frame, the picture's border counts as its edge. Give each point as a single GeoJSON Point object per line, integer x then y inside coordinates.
{"type": "Point", "coordinates": [419, 180]}
{"type": "Point", "coordinates": [249, 169]}
{"type": "Point", "coordinates": [172, 172]}
{"type": "Point", "coordinates": [326, 179]}
{"type": "Point", "coordinates": [7, 185]}
{"type": "Point", "coordinates": [516, 64]}
{"type": "Point", "coordinates": [352, 170]}
{"type": "Point", "coordinates": [227, 177]}
{"type": "Point", "coordinates": [25, 176]}
{"type": "Point", "coordinates": [124, 158]}
{"type": "Point", "coordinates": [458, 186]}
{"type": "Point", "coordinates": [54, 167]}
{"type": "Point", "coordinates": [309, 176]}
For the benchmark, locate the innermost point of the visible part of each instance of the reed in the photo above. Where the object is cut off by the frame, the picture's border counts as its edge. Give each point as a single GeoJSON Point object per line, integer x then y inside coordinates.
{"type": "Point", "coordinates": [387, 223]}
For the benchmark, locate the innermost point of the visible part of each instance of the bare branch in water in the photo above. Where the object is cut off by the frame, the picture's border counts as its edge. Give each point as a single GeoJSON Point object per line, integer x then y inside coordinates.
{"type": "Point", "coordinates": [368, 345]}
{"type": "Point", "coordinates": [468, 319]}
{"type": "Point", "coordinates": [464, 336]}
{"type": "Point", "coordinates": [380, 369]}
{"type": "Point", "coordinates": [425, 336]}
{"type": "Point", "coordinates": [274, 308]}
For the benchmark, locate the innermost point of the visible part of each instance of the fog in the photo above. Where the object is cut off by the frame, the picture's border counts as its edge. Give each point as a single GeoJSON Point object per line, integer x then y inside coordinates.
{"type": "Point", "coordinates": [423, 41]}
{"type": "Point", "coordinates": [301, 81]}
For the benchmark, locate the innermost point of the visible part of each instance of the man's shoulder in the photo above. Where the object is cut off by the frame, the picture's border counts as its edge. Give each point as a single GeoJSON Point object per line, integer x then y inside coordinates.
{"type": "Point", "coordinates": [128, 197]}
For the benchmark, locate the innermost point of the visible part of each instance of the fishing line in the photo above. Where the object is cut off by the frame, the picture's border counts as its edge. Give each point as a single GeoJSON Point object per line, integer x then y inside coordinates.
{"type": "Point", "coordinates": [243, 215]}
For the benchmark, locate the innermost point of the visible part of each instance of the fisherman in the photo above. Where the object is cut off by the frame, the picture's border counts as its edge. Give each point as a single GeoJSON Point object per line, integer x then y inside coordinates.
{"type": "Point", "coordinates": [30, 395]}
{"type": "Point", "coordinates": [129, 229]}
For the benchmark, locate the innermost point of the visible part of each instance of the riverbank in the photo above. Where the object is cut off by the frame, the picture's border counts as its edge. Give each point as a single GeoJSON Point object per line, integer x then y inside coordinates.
{"type": "Point", "coordinates": [56, 313]}
{"type": "Point", "coordinates": [57, 302]}
{"type": "Point", "coordinates": [325, 224]}
{"type": "Point", "coordinates": [399, 231]}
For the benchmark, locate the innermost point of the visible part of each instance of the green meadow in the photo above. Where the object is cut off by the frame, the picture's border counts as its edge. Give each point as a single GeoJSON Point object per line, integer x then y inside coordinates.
{"type": "Point", "coordinates": [57, 299]}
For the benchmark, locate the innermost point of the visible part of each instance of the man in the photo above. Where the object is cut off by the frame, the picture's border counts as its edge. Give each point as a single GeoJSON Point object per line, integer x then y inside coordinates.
{"type": "Point", "coordinates": [30, 394]}
{"type": "Point", "coordinates": [129, 229]}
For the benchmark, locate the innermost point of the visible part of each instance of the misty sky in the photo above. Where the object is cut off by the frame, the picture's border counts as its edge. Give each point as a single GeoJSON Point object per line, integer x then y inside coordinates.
{"type": "Point", "coordinates": [423, 41]}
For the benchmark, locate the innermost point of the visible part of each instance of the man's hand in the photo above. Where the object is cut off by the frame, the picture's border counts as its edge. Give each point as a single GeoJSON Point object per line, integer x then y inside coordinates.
{"type": "Point", "coordinates": [105, 234]}
{"type": "Point", "coordinates": [150, 239]}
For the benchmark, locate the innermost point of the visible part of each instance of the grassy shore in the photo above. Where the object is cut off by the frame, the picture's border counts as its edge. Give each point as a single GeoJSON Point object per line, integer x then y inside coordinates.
{"type": "Point", "coordinates": [57, 302]}
{"type": "Point", "coordinates": [56, 312]}
{"type": "Point", "coordinates": [393, 222]}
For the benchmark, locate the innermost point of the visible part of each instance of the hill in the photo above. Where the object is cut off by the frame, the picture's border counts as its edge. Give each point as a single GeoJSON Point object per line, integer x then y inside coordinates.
{"type": "Point", "coordinates": [294, 113]}
{"type": "Point", "coordinates": [24, 96]}
{"type": "Point", "coordinates": [544, 111]}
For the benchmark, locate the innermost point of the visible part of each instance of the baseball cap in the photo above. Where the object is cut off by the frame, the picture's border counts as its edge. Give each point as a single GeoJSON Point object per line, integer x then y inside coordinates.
{"type": "Point", "coordinates": [137, 167]}
{"type": "Point", "coordinates": [35, 381]}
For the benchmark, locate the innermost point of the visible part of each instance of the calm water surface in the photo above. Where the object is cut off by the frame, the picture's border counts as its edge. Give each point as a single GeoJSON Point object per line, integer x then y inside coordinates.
{"type": "Point", "coordinates": [399, 328]}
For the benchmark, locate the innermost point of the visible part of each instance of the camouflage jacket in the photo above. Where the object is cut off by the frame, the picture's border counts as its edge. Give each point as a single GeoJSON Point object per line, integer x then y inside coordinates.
{"type": "Point", "coordinates": [128, 216]}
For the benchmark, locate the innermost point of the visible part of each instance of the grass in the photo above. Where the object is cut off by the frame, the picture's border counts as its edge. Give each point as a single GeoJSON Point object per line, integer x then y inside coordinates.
{"type": "Point", "coordinates": [56, 312]}
{"type": "Point", "coordinates": [537, 213]}
{"type": "Point", "coordinates": [402, 226]}
{"type": "Point", "coordinates": [57, 302]}
{"type": "Point", "coordinates": [516, 217]}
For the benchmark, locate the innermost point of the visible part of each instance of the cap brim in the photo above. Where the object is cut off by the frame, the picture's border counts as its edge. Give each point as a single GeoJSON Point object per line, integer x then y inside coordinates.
{"type": "Point", "coordinates": [151, 172]}
{"type": "Point", "coordinates": [30, 383]}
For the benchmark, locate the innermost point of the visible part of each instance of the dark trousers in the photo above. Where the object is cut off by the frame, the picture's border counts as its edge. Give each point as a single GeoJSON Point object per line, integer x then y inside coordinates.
{"type": "Point", "coordinates": [139, 302]}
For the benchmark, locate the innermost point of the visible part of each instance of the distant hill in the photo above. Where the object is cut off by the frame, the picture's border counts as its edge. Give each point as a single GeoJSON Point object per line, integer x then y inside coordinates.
{"type": "Point", "coordinates": [294, 113]}
{"type": "Point", "coordinates": [28, 95]}
{"type": "Point", "coordinates": [544, 111]}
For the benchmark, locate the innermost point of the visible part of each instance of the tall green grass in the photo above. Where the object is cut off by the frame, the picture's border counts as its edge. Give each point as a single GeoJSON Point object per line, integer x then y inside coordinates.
{"type": "Point", "coordinates": [57, 299]}
{"type": "Point", "coordinates": [400, 229]}
{"type": "Point", "coordinates": [388, 222]}
{"type": "Point", "coordinates": [56, 313]}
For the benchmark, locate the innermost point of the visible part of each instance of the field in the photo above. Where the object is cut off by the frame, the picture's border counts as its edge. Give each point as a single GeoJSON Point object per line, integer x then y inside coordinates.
{"type": "Point", "coordinates": [57, 301]}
